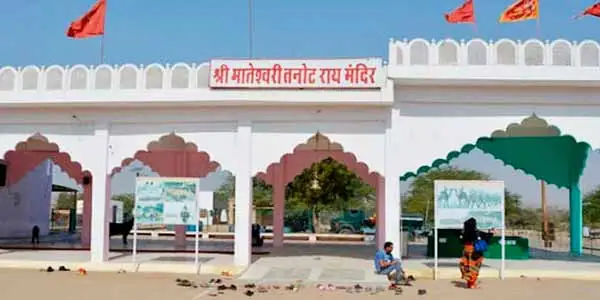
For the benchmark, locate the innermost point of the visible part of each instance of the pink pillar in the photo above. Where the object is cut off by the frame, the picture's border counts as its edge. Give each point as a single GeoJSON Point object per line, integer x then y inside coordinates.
{"type": "Point", "coordinates": [86, 226]}
{"type": "Point", "coordinates": [380, 207]}
{"type": "Point", "coordinates": [278, 210]}
{"type": "Point", "coordinates": [180, 236]}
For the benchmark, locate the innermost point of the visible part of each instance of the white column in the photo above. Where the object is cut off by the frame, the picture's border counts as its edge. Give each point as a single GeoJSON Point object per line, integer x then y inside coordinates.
{"type": "Point", "coordinates": [392, 182]}
{"type": "Point", "coordinates": [99, 169]}
{"type": "Point", "coordinates": [243, 194]}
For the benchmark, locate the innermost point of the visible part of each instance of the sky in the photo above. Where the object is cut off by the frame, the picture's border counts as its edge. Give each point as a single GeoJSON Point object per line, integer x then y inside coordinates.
{"type": "Point", "coordinates": [170, 31]}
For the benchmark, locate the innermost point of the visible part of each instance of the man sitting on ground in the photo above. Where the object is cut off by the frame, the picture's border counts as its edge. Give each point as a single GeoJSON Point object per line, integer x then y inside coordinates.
{"type": "Point", "coordinates": [386, 264]}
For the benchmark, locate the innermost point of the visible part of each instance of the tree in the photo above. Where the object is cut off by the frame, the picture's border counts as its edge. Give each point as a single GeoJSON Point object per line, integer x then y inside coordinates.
{"type": "Point", "coordinates": [67, 201]}
{"type": "Point", "coordinates": [261, 192]}
{"type": "Point", "coordinates": [327, 186]}
{"type": "Point", "coordinates": [225, 191]}
{"type": "Point", "coordinates": [420, 197]}
{"type": "Point", "coordinates": [591, 207]}
{"type": "Point", "coordinates": [128, 201]}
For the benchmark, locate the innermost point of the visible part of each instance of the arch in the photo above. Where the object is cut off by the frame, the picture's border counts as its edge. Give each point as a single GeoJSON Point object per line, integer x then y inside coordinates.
{"type": "Point", "coordinates": [28, 154]}
{"type": "Point", "coordinates": [54, 78]}
{"type": "Point", "coordinates": [506, 52]}
{"type": "Point", "coordinates": [180, 76]}
{"type": "Point", "coordinates": [78, 77]}
{"type": "Point", "coordinates": [448, 52]}
{"type": "Point", "coordinates": [419, 52]}
{"type": "Point", "coordinates": [561, 53]}
{"type": "Point", "coordinates": [317, 148]}
{"type": "Point", "coordinates": [477, 52]}
{"type": "Point", "coordinates": [589, 53]}
{"type": "Point", "coordinates": [128, 76]}
{"type": "Point", "coordinates": [534, 53]}
{"type": "Point", "coordinates": [172, 156]}
{"type": "Point", "coordinates": [530, 130]}
{"type": "Point", "coordinates": [103, 77]}
{"type": "Point", "coordinates": [30, 77]}
{"type": "Point", "coordinates": [568, 157]}
{"type": "Point", "coordinates": [8, 77]}
{"type": "Point", "coordinates": [154, 75]}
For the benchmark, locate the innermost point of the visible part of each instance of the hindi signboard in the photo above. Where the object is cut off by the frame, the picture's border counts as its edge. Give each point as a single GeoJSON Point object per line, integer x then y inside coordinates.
{"type": "Point", "coordinates": [366, 73]}
{"type": "Point", "coordinates": [172, 201]}
{"type": "Point", "coordinates": [458, 200]}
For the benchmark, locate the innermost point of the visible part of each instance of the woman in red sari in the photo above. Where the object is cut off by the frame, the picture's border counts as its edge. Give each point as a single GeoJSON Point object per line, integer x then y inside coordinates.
{"type": "Point", "coordinates": [474, 242]}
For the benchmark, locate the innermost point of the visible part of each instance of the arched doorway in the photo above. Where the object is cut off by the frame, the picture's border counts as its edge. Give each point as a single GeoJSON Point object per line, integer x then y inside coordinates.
{"type": "Point", "coordinates": [315, 149]}
{"type": "Point", "coordinates": [27, 155]}
{"type": "Point", "coordinates": [538, 149]}
{"type": "Point", "coordinates": [172, 156]}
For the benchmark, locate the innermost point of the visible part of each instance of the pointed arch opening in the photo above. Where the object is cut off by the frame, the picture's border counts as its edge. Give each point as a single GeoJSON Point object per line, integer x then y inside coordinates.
{"type": "Point", "coordinates": [29, 155]}
{"type": "Point", "coordinates": [315, 150]}
{"type": "Point", "coordinates": [172, 156]}
{"type": "Point", "coordinates": [529, 146]}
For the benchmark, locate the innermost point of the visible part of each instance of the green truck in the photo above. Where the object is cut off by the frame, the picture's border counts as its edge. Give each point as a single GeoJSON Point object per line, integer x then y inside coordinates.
{"type": "Point", "coordinates": [355, 221]}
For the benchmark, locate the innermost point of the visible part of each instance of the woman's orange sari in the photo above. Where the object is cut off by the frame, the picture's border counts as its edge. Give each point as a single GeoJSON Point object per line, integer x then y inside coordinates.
{"type": "Point", "coordinates": [470, 263]}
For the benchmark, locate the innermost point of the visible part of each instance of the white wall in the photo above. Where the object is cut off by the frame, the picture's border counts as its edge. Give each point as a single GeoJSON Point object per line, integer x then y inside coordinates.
{"type": "Point", "coordinates": [27, 203]}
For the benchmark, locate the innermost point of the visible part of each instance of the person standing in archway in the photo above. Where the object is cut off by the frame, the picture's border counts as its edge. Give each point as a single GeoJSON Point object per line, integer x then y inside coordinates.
{"type": "Point", "coordinates": [475, 245]}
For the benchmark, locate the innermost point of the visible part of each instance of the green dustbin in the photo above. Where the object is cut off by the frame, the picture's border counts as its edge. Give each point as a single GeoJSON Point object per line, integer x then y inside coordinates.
{"type": "Point", "coordinates": [517, 248]}
{"type": "Point", "coordinates": [449, 245]}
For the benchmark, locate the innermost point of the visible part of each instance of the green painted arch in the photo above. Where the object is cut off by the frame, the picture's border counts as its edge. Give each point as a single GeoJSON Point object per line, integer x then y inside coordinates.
{"type": "Point", "coordinates": [568, 157]}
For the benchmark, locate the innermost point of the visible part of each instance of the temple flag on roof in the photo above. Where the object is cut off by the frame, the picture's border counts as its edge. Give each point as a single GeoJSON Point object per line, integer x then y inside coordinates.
{"type": "Point", "coordinates": [91, 24]}
{"type": "Point", "coordinates": [521, 10]}
{"type": "Point", "coordinates": [462, 14]}
{"type": "Point", "coordinates": [593, 10]}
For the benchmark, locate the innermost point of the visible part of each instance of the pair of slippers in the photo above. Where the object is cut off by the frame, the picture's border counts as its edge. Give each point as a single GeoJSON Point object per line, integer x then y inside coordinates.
{"type": "Point", "coordinates": [49, 269]}
{"type": "Point", "coordinates": [224, 287]}
{"type": "Point", "coordinates": [185, 283]}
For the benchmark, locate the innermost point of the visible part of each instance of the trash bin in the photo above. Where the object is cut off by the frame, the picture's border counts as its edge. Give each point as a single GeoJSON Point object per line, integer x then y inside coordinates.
{"type": "Point", "coordinates": [449, 245]}
{"type": "Point", "coordinates": [517, 248]}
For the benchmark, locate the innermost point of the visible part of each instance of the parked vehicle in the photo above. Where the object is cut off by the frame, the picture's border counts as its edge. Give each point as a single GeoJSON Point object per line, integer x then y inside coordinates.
{"type": "Point", "coordinates": [355, 222]}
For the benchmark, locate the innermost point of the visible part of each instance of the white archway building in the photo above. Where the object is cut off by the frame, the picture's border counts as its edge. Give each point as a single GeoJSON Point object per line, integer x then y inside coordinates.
{"type": "Point", "coordinates": [431, 98]}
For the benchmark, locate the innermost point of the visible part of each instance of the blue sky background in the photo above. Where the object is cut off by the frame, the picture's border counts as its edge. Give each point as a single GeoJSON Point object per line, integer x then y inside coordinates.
{"type": "Point", "coordinates": [146, 31]}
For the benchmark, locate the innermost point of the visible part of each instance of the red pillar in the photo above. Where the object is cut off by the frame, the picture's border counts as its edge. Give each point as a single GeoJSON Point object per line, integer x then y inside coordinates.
{"type": "Point", "coordinates": [278, 209]}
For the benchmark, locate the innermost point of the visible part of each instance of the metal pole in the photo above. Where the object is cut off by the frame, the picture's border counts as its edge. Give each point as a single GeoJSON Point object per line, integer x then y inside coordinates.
{"type": "Point", "coordinates": [544, 213]}
{"type": "Point", "coordinates": [250, 29]}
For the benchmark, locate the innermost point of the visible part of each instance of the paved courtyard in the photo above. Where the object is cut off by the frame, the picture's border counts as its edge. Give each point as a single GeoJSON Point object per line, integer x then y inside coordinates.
{"type": "Point", "coordinates": [30, 284]}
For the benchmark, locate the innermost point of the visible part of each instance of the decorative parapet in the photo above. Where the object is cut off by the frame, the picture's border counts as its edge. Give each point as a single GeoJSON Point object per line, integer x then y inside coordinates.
{"type": "Point", "coordinates": [104, 77]}
{"type": "Point", "coordinates": [501, 52]}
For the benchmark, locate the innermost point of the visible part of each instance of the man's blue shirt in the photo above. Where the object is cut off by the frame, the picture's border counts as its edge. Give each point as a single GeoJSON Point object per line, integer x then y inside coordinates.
{"type": "Point", "coordinates": [379, 256]}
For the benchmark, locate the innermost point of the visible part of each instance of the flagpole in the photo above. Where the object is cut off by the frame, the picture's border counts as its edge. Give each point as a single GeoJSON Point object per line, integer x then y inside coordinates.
{"type": "Point", "coordinates": [103, 33]}
{"type": "Point", "coordinates": [250, 30]}
{"type": "Point", "coordinates": [102, 50]}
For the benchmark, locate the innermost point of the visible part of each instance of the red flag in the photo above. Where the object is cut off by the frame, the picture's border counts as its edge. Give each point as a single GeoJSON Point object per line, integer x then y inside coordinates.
{"type": "Point", "coordinates": [593, 10]}
{"type": "Point", "coordinates": [521, 10]}
{"type": "Point", "coordinates": [462, 14]}
{"type": "Point", "coordinates": [91, 24]}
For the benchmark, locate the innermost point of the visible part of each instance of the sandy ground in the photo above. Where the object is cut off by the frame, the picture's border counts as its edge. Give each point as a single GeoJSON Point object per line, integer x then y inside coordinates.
{"type": "Point", "coordinates": [28, 284]}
